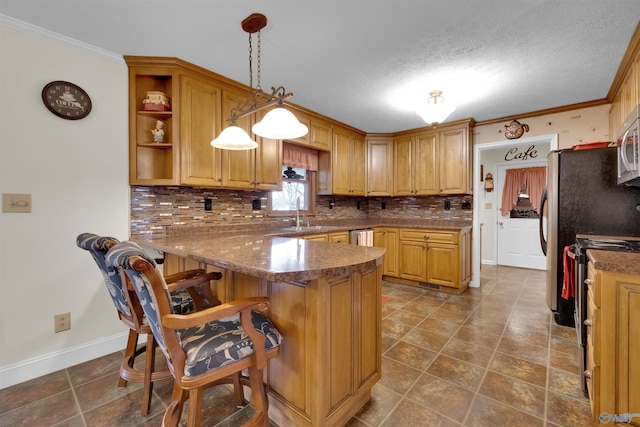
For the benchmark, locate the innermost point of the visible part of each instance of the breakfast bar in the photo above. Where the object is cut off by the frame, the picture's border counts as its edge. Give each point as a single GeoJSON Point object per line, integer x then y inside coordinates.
{"type": "Point", "coordinates": [326, 302]}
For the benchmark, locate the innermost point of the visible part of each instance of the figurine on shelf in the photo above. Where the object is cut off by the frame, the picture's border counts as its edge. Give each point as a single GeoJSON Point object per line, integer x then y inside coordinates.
{"type": "Point", "coordinates": [158, 132]}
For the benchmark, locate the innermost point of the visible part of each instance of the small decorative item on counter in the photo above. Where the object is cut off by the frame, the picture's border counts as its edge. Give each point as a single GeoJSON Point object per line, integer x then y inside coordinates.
{"type": "Point", "coordinates": [488, 183]}
{"type": "Point", "coordinates": [515, 130]}
{"type": "Point", "coordinates": [158, 132]}
{"type": "Point", "coordinates": [156, 101]}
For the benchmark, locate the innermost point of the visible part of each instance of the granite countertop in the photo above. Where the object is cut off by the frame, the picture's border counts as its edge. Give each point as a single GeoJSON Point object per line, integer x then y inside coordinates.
{"type": "Point", "coordinates": [269, 257]}
{"type": "Point", "coordinates": [622, 262]}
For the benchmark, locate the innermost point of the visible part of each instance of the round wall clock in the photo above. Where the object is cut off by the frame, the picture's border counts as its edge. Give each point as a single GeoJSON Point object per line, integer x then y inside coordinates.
{"type": "Point", "coordinates": [66, 100]}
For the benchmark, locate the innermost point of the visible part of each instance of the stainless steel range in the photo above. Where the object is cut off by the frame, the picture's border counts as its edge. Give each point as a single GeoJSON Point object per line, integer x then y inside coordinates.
{"type": "Point", "coordinates": [578, 252]}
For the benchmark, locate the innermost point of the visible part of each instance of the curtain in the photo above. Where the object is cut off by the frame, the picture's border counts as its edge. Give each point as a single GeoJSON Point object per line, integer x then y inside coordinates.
{"type": "Point", "coordinates": [534, 178]}
{"type": "Point", "coordinates": [299, 157]}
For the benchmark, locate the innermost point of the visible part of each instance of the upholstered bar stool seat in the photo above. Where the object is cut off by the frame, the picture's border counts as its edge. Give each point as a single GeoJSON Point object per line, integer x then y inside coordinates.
{"type": "Point", "coordinates": [190, 290]}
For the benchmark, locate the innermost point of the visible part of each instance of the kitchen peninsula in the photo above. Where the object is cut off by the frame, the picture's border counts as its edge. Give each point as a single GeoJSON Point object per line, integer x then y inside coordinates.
{"type": "Point", "coordinates": [326, 302]}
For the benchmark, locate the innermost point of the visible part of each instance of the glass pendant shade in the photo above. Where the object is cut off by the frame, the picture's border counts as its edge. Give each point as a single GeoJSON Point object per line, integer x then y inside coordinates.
{"type": "Point", "coordinates": [279, 123]}
{"type": "Point", "coordinates": [435, 110]}
{"type": "Point", "coordinates": [234, 138]}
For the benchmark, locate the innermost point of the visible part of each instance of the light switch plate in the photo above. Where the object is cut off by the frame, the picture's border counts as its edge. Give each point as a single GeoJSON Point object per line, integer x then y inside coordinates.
{"type": "Point", "coordinates": [18, 203]}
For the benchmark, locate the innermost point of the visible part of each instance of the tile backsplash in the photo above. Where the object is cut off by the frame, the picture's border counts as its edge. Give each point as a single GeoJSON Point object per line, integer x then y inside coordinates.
{"type": "Point", "coordinates": [154, 209]}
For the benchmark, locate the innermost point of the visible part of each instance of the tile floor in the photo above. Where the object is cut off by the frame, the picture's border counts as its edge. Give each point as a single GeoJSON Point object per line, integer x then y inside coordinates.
{"type": "Point", "coordinates": [489, 357]}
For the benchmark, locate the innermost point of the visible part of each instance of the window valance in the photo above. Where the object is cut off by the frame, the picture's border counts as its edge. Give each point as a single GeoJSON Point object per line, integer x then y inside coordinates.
{"type": "Point", "coordinates": [299, 157]}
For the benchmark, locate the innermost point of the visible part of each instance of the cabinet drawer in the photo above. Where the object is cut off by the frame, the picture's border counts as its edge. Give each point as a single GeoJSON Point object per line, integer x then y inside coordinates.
{"type": "Point", "coordinates": [592, 375]}
{"type": "Point", "coordinates": [593, 330]}
{"type": "Point", "coordinates": [430, 235]}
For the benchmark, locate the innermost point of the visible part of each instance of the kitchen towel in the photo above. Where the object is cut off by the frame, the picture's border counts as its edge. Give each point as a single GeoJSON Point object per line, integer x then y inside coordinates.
{"type": "Point", "coordinates": [568, 285]}
{"type": "Point", "coordinates": [365, 238]}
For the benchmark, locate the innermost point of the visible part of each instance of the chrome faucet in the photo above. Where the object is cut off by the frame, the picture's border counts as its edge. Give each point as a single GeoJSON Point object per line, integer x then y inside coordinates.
{"type": "Point", "coordinates": [298, 228]}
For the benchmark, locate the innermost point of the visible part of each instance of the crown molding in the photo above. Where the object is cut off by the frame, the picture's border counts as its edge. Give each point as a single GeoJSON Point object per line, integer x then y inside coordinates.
{"type": "Point", "coordinates": [34, 30]}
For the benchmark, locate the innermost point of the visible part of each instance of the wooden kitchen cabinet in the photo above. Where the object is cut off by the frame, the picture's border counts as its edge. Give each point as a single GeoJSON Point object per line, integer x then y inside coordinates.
{"type": "Point", "coordinates": [435, 160]}
{"type": "Point", "coordinates": [339, 237]}
{"type": "Point", "coordinates": [319, 135]}
{"type": "Point", "coordinates": [348, 163]}
{"type": "Point", "coordinates": [379, 169]}
{"type": "Point", "coordinates": [149, 163]}
{"type": "Point", "coordinates": [336, 237]}
{"type": "Point", "coordinates": [201, 103]}
{"type": "Point", "coordinates": [613, 343]}
{"type": "Point", "coordinates": [387, 238]}
{"type": "Point", "coordinates": [434, 257]}
{"type": "Point", "coordinates": [260, 168]}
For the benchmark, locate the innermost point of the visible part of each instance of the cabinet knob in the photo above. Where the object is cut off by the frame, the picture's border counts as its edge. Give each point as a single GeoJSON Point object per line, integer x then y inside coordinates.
{"type": "Point", "coordinates": [219, 179]}
{"type": "Point", "coordinates": [426, 236]}
{"type": "Point", "coordinates": [588, 282]}
{"type": "Point", "coordinates": [587, 322]}
{"type": "Point", "coordinates": [587, 374]}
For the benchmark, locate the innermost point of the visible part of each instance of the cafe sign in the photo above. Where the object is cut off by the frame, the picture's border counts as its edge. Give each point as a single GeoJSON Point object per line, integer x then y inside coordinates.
{"type": "Point", "coordinates": [515, 154]}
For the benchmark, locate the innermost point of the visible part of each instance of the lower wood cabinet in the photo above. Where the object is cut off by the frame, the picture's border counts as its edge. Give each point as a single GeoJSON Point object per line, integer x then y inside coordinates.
{"type": "Point", "coordinates": [430, 257]}
{"type": "Point", "coordinates": [337, 237]}
{"type": "Point", "coordinates": [613, 345]}
{"type": "Point", "coordinates": [387, 238]}
{"type": "Point", "coordinates": [331, 353]}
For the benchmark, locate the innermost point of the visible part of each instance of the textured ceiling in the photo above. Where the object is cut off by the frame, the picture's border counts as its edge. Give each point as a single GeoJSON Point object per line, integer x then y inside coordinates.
{"type": "Point", "coordinates": [366, 63]}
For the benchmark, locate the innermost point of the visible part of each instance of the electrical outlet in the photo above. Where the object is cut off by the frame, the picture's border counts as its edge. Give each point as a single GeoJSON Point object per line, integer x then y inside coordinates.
{"type": "Point", "coordinates": [62, 322]}
{"type": "Point", "coordinates": [208, 204]}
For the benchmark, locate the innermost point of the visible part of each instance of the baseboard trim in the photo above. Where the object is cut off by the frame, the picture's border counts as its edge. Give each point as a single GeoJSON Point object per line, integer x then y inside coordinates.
{"type": "Point", "coordinates": [52, 362]}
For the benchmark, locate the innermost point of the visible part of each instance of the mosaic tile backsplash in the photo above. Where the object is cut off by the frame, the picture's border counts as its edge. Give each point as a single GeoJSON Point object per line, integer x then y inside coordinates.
{"type": "Point", "coordinates": [155, 209]}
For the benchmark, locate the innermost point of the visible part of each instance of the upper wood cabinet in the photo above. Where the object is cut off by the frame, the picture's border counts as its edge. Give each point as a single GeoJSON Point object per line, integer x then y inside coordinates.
{"type": "Point", "coordinates": [199, 124]}
{"type": "Point", "coordinates": [433, 161]}
{"type": "Point", "coordinates": [348, 161]}
{"type": "Point", "coordinates": [201, 103]}
{"type": "Point", "coordinates": [153, 163]}
{"type": "Point", "coordinates": [319, 135]}
{"type": "Point", "coordinates": [379, 169]}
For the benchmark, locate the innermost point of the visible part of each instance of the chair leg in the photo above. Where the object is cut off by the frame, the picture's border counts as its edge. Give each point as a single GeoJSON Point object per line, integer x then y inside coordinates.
{"type": "Point", "coordinates": [238, 390]}
{"type": "Point", "coordinates": [174, 410]}
{"type": "Point", "coordinates": [147, 384]}
{"type": "Point", "coordinates": [129, 353]}
{"type": "Point", "coordinates": [195, 407]}
{"type": "Point", "coordinates": [258, 399]}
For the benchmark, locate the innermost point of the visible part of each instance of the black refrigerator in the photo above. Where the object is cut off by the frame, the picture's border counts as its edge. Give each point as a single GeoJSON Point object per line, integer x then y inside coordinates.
{"type": "Point", "coordinates": [581, 197]}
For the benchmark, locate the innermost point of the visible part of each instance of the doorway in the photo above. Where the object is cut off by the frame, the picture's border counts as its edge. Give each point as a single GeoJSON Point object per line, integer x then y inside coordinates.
{"type": "Point", "coordinates": [518, 239]}
{"type": "Point", "coordinates": [478, 188]}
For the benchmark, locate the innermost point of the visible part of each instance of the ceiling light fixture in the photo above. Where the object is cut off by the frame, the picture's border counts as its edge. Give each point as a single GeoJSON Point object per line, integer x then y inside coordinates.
{"type": "Point", "coordinates": [435, 110]}
{"type": "Point", "coordinates": [279, 123]}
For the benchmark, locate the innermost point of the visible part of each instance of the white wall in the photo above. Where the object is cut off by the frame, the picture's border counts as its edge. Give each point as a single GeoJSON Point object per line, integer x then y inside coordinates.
{"type": "Point", "coordinates": [76, 172]}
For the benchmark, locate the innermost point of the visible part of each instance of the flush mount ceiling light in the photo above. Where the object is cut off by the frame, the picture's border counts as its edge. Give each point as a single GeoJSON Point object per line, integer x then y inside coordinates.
{"type": "Point", "coordinates": [279, 123]}
{"type": "Point", "coordinates": [435, 110]}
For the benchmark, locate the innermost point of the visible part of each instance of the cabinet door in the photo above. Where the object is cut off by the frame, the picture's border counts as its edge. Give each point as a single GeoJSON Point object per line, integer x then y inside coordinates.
{"type": "Point", "coordinates": [341, 166]}
{"type": "Point", "coordinates": [320, 135]}
{"type": "Point", "coordinates": [443, 264]}
{"type": "Point", "coordinates": [357, 171]}
{"type": "Point", "coordinates": [268, 156]}
{"type": "Point", "coordinates": [402, 171]}
{"type": "Point", "coordinates": [426, 164]}
{"type": "Point", "coordinates": [391, 256]}
{"type": "Point", "coordinates": [200, 119]}
{"type": "Point", "coordinates": [454, 162]}
{"type": "Point", "coordinates": [379, 167]}
{"type": "Point", "coordinates": [238, 166]}
{"type": "Point", "coordinates": [628, 343]}
{"type": "Point", "coordinates": [412, 260]}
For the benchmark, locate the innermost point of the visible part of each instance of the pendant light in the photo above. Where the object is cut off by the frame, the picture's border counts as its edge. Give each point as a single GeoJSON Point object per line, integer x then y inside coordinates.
{"type": "Point", "coordinates": [279, 123]}
{"type": "Point", "coordinates": [435, 110]}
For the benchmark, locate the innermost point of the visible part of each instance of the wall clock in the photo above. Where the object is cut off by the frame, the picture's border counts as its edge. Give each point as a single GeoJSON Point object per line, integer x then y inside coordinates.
{"type": "Point", "coordinates": [66, 100]}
